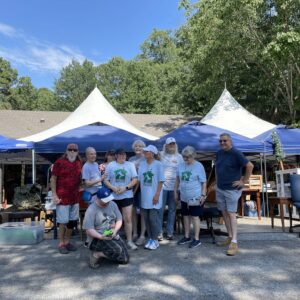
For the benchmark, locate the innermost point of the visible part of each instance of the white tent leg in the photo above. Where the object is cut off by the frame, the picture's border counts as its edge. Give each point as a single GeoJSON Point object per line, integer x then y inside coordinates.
{"type": "Point", "coordinates": [33, 166]}
{"type": "Point", "coordinates": [266, 183]}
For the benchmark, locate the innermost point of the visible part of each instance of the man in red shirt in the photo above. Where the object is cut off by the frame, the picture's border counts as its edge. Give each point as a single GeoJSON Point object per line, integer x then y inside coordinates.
{"type": "Point", "coordinates": [65, 182]}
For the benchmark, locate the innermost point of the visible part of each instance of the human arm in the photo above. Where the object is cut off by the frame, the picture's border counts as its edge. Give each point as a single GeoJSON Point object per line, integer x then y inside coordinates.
{"type": "Point", "coordinates": [244, 179]}
{"type": "Point", "coordinates": [122, 189]}
{"type": "Point", "coordinates": [53, 181]}
{"type": "Point", "coordinates": [157, 193]}
{"type": "Point", "coordinates": [204, 192]}
{"type": "Point", "coordinates": [176, 188]}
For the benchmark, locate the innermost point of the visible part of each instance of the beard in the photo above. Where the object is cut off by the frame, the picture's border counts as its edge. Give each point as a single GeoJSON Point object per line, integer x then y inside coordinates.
{"type": "Point", "coordinates": [71, 157]}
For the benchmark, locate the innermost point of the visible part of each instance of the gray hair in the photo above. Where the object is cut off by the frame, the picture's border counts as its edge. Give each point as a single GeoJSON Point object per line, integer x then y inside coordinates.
{"type": "Point", "coordinates": [138, 142]}
{"type": "Point", "coordinates": [88, 149]}
{"type": "Point", "coordinates": [189, 151]}
{"type": "Point", "coordinates": [226, 134]}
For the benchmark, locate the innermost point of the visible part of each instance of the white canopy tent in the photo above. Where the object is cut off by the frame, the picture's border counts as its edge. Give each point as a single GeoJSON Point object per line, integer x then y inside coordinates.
{"type": "Point", "coordinates": [94, 109]}
{"type": "Point", "coordinates": [228, 114]}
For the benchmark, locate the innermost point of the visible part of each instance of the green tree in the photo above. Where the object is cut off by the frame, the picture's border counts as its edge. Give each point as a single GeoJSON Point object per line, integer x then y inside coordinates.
{"type": "Point", "coordinates": [45, 100]}
{"type": "Point", "coordinates": [160, 47]}
{"type": "Point", "coordinates": [75, 84]}
{"type": "Point", "coordinates": [8, 77]}
{"type": "Point", "coordinates": [251, 45]}
{"type": "Point", "coordinates": [23, 95]}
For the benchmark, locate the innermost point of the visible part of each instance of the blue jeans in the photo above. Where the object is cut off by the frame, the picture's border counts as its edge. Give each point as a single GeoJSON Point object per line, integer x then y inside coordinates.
{"type": "Point", "coordinates": [168, 199]}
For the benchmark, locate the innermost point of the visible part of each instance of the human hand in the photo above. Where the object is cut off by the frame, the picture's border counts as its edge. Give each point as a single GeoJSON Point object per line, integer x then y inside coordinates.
{"type": "Point", "coordinates": [155, 199]}
{"type": "Point", "coordinates": [238, 183]}
{"type": "Point", "coordinates": [56, 199]}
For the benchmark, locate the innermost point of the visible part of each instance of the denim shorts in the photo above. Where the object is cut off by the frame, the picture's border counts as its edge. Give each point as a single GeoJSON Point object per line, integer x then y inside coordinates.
{"type": "Point", "coordinates": [228, 199]}
{"type": "Point", "coordinates": [194, 211]}
{"type": "Point", "coordinates": [66, 213]}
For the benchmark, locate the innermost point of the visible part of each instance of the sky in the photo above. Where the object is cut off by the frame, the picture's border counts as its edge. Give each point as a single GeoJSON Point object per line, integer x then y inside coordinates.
{"type": "Point", "coordinates": [40, 37]}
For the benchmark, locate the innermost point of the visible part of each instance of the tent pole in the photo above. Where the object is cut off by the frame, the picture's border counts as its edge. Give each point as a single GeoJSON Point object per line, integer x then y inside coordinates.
{"type": "Point", "coordinates": [33, 166]}
{"type": "Point", "coordinates": [1, 185]}
{"type": "Point", "coordinates": [266, 183]}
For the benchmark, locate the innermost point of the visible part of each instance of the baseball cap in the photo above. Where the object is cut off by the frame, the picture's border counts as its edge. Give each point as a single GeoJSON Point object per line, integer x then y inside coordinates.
{"type": "Point", "coordinates": [104, 194]}
{"type": "Point", "coordinates": [151, 148]}
{"type": "Point", "coordinates": [170, 140]}
{"type": "Point", "coordinates": [120, 151]}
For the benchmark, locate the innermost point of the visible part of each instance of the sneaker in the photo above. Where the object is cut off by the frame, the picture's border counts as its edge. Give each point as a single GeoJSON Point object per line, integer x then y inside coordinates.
{"type": "Point", "coordinates": [224, 243]}
{"type": "Point", "coordinates": [156, 243]}
{"type": "Point", "coordinates": [170, 237]}
{"type": "Point", "coordinates": [94, 261]}
{"type": "Point", "coordinates": [148, 244]}
{"type": "Point", "coordinates": [140, 241]}
{"type": "Point", "coordinates": [71, 247]}
{"type": "Point", "coordinates": [86, 244]}
{"type": "Point", "coordinates": [135, 237]}
{"type": "Point", "coordinates": [232, 249]}
{"type": "Point", "coordinates": [63, 250]}
{"type": "Point", "coordinates": [160, 237]}
{"type": "Point", "coordinates": [194, 243]}
{"type": "Point", "coordinates": [184, 240]}
{"type": "Point", "coordinates": [153, 245]}
{"type": "Point", "coordinates": [131, 245]}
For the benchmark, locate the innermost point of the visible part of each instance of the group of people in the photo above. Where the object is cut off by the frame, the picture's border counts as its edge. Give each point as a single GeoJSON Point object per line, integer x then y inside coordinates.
{"type": "Point", "coordinates": [136, 191]}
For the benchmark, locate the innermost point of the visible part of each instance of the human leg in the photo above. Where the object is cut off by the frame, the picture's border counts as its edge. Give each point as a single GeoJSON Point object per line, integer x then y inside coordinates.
{"type": "Point", "coordinates": [161, 212]}
{"type": "Point", "coordinates": [171, 213]}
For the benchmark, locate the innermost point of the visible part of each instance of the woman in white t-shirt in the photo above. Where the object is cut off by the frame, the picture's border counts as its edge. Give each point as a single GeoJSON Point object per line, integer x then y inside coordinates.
{"type": "Point", "coordinates": [191, 180]}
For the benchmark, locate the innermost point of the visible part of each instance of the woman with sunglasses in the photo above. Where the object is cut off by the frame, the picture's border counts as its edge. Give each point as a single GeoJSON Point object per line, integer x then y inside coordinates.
{"type": "Point", "coordinates": [191, 180]}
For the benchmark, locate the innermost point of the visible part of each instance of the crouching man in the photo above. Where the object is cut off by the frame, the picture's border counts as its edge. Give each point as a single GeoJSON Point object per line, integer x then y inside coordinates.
{"type": "Point", "coordinates": [102, 222]}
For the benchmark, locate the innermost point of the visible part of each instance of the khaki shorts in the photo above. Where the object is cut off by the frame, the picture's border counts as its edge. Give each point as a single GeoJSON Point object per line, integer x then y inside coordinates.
{"type": "Point", "coordinates": [66, 213]}
{"type": "Point", "coordinates": [228, 199]}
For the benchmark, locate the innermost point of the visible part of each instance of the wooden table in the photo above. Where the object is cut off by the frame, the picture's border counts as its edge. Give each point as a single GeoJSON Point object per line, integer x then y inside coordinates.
{"type": "Point", "coordinates": [256, 192]}
{"type": "Point", "coordinates": [280, 201]}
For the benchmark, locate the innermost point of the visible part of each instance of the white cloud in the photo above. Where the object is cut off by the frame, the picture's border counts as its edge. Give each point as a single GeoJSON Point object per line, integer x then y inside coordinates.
{"type": "Point", "coordinates": [35, 54]}
{"type": "Point", "coordinates": [7, 30]}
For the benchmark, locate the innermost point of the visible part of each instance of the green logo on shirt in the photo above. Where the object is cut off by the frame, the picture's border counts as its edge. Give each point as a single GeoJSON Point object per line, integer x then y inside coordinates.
{"type": "Point", "coordinates": [120, 175]}
{"type": "Point", "coordinates": [185, 176]}
{"type": "Point", "coordinates": [148, 177]}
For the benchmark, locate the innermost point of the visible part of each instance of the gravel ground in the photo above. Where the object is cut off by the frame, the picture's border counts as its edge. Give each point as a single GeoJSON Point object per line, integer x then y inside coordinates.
{"type": "Point", "coordinates": [267, 266]}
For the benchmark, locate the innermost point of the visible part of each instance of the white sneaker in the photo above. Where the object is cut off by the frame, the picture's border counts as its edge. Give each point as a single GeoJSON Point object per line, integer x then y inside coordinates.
{"type": "Point", "coordinates": [148, 244]}
{"type": "Point", "coordinates": [131, 245]}
{"type": "Point", "coordinates": [156, 243]}
{"type": "Point", "coordinates": [152, 245]}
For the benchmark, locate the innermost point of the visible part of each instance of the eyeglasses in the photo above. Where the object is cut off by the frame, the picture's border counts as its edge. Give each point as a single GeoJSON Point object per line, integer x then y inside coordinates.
{"type": "Point", "coordinates": [186, 157]}
{"type": "Point", "coordinates": [73, 150]}
{"type": "Point", "coordinates": [223, 141]}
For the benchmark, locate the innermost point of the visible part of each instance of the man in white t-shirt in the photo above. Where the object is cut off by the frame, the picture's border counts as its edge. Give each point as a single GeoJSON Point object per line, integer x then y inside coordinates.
{"type": "Point", "coordinates": [170, 159]}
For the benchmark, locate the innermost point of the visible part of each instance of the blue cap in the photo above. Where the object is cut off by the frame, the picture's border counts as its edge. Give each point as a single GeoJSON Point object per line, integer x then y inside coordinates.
{"type": "Point", "coordinates": [104, 194]}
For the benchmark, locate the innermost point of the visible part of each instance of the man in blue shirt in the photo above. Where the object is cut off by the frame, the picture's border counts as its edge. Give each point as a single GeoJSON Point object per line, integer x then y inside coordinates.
{"type": "Point", "coordinates": [230, 181]}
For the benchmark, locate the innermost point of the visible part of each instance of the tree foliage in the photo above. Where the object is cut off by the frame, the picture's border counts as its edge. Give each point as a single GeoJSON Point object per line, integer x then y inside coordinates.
{"type": "Point", "coordinates": [252, 46]}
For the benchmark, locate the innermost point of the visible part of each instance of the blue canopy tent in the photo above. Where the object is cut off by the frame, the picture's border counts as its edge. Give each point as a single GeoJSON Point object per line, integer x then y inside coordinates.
{"type": "Point", "coordinates": [289, 138]}
{"type": "Point", "coordinates": [205, 138]}
{"type": "Point", "coordinates": [101, 137]}
{"type": "Point", "coordinates": [8, 144]}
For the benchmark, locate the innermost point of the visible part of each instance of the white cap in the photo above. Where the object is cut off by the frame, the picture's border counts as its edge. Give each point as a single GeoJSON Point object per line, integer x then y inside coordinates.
{"type": "Point", "coordinates": [151, 148]}
{"type": "Point", "coordinates": [170, 140]}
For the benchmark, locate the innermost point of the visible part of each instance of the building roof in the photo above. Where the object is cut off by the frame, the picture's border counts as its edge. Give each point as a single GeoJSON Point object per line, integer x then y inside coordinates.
{"type": "Point", "coordinates": [20, 123]}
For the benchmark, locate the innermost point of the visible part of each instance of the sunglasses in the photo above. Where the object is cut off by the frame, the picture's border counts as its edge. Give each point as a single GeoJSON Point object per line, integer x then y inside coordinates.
{"type": "Point", "coordinates": [73, 150]}
{"type": "Point", "coordinates": [223, 141]}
